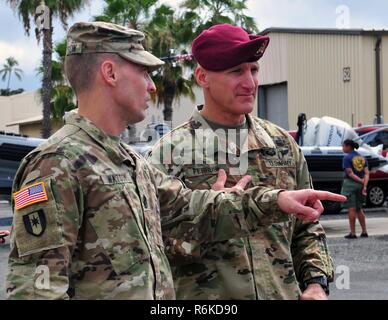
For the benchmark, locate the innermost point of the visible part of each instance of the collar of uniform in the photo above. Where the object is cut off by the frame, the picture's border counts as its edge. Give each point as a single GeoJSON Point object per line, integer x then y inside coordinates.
{"type": "Point", "coordinates": [198, 122]}
{"type": "Point", "coordinates": [257, 136]}
{"type": "Point", "coordinates": [111, 144]}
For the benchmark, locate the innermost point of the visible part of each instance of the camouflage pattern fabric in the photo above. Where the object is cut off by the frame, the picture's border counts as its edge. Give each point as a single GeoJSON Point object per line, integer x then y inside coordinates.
{"type": "Point", "coordinates": [268, 264]}
{"type": "Point", "coordinates": [98, 233]}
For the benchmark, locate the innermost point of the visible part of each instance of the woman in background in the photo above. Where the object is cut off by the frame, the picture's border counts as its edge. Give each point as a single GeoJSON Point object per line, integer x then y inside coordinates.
{"type": "Point", "coordinates": [355, 186]}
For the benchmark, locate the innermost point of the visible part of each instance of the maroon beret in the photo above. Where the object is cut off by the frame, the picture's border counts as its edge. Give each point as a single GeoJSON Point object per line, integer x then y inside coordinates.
{"type": "Point", "coordinates": [224, 46]}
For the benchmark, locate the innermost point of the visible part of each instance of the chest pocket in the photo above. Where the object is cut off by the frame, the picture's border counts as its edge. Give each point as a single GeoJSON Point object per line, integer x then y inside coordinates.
{"type": "Point", "coordinates": [278, 166]}
{"type": "Point", "coordinates": [118, 226]}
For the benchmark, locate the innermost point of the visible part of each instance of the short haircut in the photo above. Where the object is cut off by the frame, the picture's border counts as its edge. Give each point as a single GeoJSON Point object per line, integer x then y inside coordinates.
{"type": "Point", "coordinates": [81, 69]}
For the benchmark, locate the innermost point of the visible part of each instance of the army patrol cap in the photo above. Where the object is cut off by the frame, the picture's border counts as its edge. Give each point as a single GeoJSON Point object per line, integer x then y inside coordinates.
{"type": "Point", "coordinates": [105, 37]}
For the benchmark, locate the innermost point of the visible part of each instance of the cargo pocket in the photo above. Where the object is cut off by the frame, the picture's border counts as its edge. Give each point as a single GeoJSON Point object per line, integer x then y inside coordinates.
{"type": "Point", "coordinates": [118, 233]}
{"type": "Point", "coordinates": [39, 226]}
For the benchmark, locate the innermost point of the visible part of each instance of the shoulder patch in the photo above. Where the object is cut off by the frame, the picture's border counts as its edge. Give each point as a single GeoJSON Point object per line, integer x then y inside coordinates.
{"type": "Point", "coordinates": [29, 195]}
{"type": "Point", "coordinates": [35, 222]}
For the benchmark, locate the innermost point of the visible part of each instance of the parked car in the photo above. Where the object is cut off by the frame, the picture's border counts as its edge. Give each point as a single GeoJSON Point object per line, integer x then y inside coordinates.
{"type": "Point", "coordinates": [374, 135]}
{"type": "Point", "coordinates": [152, 133]}
{"type": "Point", "coordinates": [13, 148]}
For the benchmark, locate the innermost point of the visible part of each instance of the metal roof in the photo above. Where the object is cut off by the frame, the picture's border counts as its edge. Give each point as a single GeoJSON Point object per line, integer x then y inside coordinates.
{"type": "Point", "coordinates": [325, 31]}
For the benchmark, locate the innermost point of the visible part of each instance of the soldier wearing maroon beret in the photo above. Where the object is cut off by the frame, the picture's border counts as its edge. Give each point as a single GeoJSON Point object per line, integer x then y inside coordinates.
{"type": "Point", "coordinates": [288, 260]}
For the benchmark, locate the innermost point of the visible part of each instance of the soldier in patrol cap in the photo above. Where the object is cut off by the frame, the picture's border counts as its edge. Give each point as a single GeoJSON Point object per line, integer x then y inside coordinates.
{"type": "Point", "coordinates": [288, 260]}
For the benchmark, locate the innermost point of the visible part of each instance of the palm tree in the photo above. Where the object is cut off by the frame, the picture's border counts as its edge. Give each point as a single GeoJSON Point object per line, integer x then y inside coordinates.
{"type": "Point", "coordinates": [132, 14]}
{"type": "Point", "coordinates": [62, 95]}
{"type": "Point", "coordinates": [10, 67]}
{"type": "Point", "coordinates": [63, 9]}
{"type": "Point", "coordinates": [164, 32]}
{"type": "Point", "coordinates": [205, 13]}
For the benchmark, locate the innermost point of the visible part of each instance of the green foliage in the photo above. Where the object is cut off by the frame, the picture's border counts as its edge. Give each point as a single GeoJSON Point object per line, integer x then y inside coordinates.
{"type": "Point", "coordinates": [62, 95]}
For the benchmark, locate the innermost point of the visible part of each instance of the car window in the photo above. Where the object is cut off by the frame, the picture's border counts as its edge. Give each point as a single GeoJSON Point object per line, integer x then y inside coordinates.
{"type": "Point", "coordinates": [370, 139]}
{"type": "Point", "coordinates": [382, 138]}
{"type": "Point", "coordinates": [377, 139]}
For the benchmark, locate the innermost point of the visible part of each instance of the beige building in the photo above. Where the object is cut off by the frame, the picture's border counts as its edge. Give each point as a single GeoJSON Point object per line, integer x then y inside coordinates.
{"type": "Point", "coordinates": [324, 72]}
{"type": "Point", "coordinates": [17, 108]}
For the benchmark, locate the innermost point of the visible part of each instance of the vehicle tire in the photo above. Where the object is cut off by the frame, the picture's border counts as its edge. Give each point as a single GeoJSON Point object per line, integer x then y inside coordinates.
{"type": "Point", "coordinates": [376, 196]}
{"type": "Point", "coordinates": [331, 207]}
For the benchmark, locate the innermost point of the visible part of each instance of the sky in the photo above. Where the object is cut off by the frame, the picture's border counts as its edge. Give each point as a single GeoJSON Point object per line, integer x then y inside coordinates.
{"type": "Point", "coordinates": [354, 14]}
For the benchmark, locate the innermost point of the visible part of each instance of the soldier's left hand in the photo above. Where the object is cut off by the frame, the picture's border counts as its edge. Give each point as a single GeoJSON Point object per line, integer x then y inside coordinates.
{"type": "Point", "coordinates": [239, 187]}
{"type": "Point", "coordinates": [314, 291]}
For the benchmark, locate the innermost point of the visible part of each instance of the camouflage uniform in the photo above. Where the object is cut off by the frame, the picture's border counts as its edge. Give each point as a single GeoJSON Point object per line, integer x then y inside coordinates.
{"type": "Point", "coordinates": [268, 264]}
{"type": "Point", "coordinates": [98, 234]}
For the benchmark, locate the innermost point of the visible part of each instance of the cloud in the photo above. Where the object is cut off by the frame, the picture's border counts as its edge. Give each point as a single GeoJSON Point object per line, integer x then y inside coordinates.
{"type": "Point", "coordinates": [292, 13]}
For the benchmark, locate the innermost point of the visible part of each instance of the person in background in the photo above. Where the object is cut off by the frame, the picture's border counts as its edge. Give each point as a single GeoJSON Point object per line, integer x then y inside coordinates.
{"type": "Point", "coordinates": [355, 186]}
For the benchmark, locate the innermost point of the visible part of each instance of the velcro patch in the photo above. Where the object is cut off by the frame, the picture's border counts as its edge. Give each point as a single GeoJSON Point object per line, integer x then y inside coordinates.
{"type": "Point", "coordinates": [35, 222]}
{"type": "Point", "coordinates": [29, 195]}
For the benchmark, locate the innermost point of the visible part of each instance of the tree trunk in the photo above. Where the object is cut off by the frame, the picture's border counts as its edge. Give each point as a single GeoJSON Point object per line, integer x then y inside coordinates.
{"type": "Point", "coordinates": [47, 83]}
{"type": "Point", "coordinates": [9, 79]}
{"type": "Point", "coordinates": [168, 99]}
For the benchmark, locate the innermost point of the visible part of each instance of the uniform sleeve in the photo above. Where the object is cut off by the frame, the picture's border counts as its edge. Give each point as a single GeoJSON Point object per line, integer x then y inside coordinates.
{"type": "Point", "coordinates": [309, 248]}
{"type": "Point", "coordinates": [45, 230]}
{"type": "Point", "coordinates": [190, 218]}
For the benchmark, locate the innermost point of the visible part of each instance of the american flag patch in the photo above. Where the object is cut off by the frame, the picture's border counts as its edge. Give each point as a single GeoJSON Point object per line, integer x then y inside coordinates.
{"type": "Point", "coordinates": [29, 195]}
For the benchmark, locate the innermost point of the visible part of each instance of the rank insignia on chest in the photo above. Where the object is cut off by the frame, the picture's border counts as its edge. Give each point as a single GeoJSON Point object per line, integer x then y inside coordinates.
{"type": "Point", "coordinates": [29, 195]}
{"type": "Point", "coordinates": [35, 222]}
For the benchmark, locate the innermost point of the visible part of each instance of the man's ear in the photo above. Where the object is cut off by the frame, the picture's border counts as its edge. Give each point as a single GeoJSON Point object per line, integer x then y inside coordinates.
{"type": "Point", "coordinates": [202, 77]}
{"type": "Point", "coordinates": [108, 72]}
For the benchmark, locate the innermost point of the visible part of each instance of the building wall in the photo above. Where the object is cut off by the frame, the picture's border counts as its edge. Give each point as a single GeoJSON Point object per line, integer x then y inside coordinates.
{"type": "Point", "coordinates": [34, 129]}
{"type": "Point", "coordinates": [274, 63]}
{"type": "Point", "coordinates": [312, 65]}
{"type": "Point", "coordinates": [368, 89]}
{"type": "Point", "coordinates": [18, 107]}
{"type": "Point", "coordinates": [315, 84]}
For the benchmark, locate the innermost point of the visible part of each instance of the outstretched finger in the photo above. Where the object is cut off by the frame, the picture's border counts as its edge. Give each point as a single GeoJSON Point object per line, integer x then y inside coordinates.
{"type": "Point", "coordinates": [221, 180]}
{"type": "Point", "coordinates": [329, 196]}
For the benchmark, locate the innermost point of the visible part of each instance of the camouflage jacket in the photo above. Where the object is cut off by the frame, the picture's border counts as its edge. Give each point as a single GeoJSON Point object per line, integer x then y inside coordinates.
{"type": "Point", "coordinates": [265, 265]}
{"type": "Point", "coordinates": [87, 213]}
